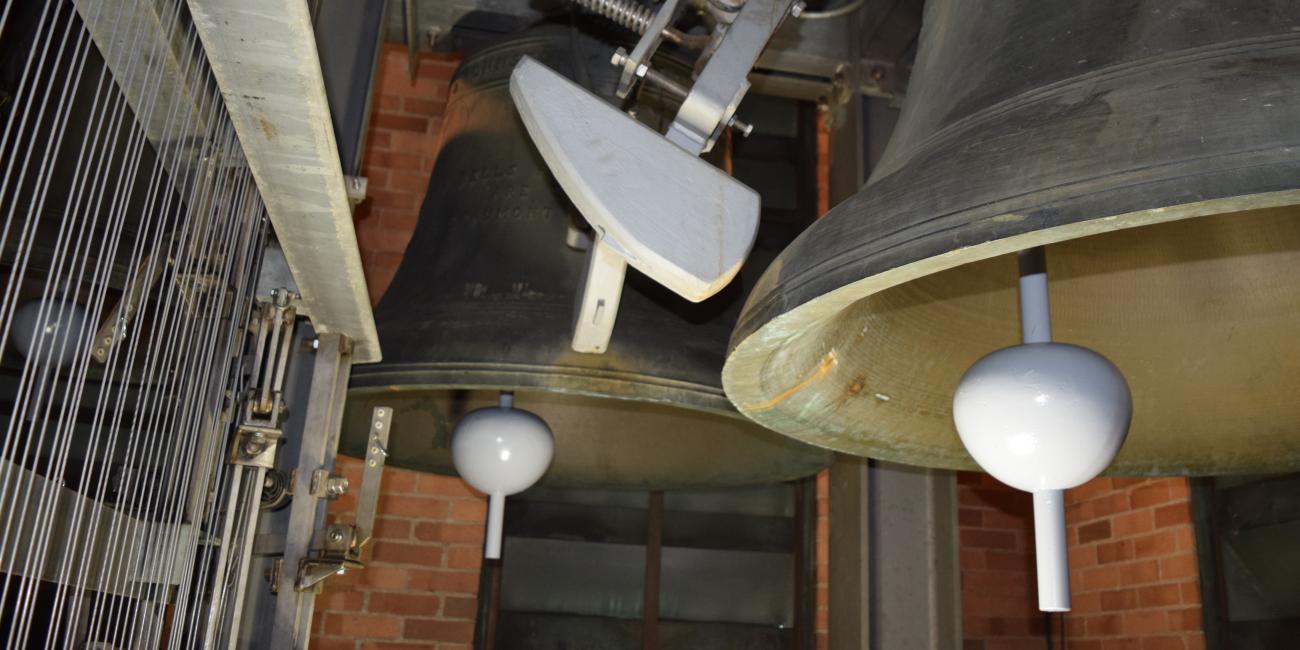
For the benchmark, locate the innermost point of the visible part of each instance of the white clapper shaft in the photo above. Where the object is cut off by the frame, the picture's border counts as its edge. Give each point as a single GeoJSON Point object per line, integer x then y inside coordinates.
{"type": "Point", "coordinates": [1049, 505]}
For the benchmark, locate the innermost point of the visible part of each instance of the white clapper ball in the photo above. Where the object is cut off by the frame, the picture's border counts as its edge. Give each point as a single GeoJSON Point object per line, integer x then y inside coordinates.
{"type": "Point", "coordinates": [58, 332]}
{"type": "Point", "coordinates": [1043, 416]}
{"type": "Point", "coordinates": [501, 450]}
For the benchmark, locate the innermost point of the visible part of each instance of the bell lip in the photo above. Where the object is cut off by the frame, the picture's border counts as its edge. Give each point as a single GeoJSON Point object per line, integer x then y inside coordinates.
{"type": "Point", "coordinates": [754, 344]}
{"type": "Point", "coordinates": [799, 459]}
{"type": "Point", "coordinates": [568, 380]}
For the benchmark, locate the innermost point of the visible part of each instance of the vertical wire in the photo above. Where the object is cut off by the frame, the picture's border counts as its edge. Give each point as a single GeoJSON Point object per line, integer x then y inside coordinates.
{"type": "Point", "coordinates": [93, 196]}
{"type": "Point", "coordinates": [121, 204]}
{"type": "Point", "coordinates": [161, 404]}
{"type": "Point", "coordinates": [106, 154]}
{"type": "Point", "coordinates": [19, 413]}
{"type": "Point", "coordinates": [183, 357]}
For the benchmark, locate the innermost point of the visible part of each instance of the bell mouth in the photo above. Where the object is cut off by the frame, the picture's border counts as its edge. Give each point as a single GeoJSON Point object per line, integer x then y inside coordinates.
{"type": "Point", "coordinates": [600, 442]}
{"type": "Point", "coordinates": [1200, 314]}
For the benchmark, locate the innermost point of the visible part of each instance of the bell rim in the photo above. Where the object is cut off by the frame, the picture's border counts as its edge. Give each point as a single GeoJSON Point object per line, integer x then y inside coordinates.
{"type": "Point", "coordinates": [754, 348]}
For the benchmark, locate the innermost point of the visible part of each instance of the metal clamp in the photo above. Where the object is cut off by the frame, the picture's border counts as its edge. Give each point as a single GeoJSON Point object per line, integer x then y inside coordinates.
{"type": "Point", "coordinates": [712, 102]}
{"type": "Point", "coordinates": [636, 63]}
{"type": "Point", "coordinates": [341, 543]}
{"type": "Point", "coordinates": [327, 486]}
{"type": "Point", "coordinates": [340, 552]}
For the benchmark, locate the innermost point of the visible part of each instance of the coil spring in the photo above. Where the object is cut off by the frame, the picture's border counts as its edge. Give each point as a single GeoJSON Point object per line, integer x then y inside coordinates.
{"type": "Point", "coordinates": [628, 13]}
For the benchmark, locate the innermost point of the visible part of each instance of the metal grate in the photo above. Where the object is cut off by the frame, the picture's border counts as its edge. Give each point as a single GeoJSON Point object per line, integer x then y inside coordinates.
{"type": "Point", "coordinates": [132, 234]}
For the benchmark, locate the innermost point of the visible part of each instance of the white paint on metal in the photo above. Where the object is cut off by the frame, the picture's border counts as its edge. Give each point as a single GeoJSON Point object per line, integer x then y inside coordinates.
{"type": "Point", "coordinates": [263, 54]}
{"type": "Point", "coordinates": [676, 218]}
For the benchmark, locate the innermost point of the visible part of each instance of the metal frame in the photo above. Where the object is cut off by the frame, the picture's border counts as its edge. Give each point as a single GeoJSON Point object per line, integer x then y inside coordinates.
{"type": "Point", "coordinates": [294, 608]}
{"type": "Point", "coordinates": [264, 57]}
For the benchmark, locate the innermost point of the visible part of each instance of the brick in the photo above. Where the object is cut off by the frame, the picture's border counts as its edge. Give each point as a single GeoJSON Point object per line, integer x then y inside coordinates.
{"type": "Point", "coordinates": [1163, 643]}
{"type": "Point", "coordinates": [997, 539]}
{"type": "Point", "coordinates": [1009, 561]}
{"type": "Point", "coordinates": [408, 554]}
{"type": "Point", "coordinates": [448, 486]}
{"type": "Point", "coordinates": [397, 122]}
{"type": "Point", "coordinates": [1194, 641]}
{"type": "Point", "coordinates": [1145, 622]}
{"type": "Point", "coordinates": [1119, 600]}
{"type": "Point", "coordinates": [459, 607]}
{"type": "Point", "coordinates": [387, 103]}
{"type": "Point", "coordinates": [444, 581]}
{"type": "Point", "coordinates": [1090, 490]}
{"type": "Point", "coordinates": [346, 601]}
{"type": "Point", "coordinates": [455, 631]}
{"type": "Point", "coordinates": [465, 557]}
{"type": "Point", "coordinates": [1179, 488]}
{"type": "Point", "coordinates": [1111, 552]}
{"type": "Point", "coordinates": [426, 107]}
{"type": "Point", "coordinates": [1139, 572]}
{"type": "Point", "coordinates": [469, 510]}
{"type": "Point", "coordinates": [1189, 618]}
{"type": "Point", "coordinates": [1121, 644]}
{"type": "Point", "coordinates": [1132, 523]}
{"type": "Point", "coordinates": [1185, 538]}
{"type": "Point", "coordinates": [378, 577]}
{"type": "Point", "coordinates": [1191, 593]}
{"type": "Point", "coordinates": [393, 529]}
{"type": "Point", "coordinates": [1181, 566]}
{"type": "Point", "coordinates": [369, 626]}
{"type": "Point", "coordinates": [414, 143]}
{"type": "Point", "coordinates": [376, 140]}
{"type": "Point", "coordinates": [1102, 577]}
{"type": "Point", "coordinates": [412, 506]}
{"type": "Point", "coordinates": [412, 181]}
{"type": "Point", "coordinates": [386, 161]}
{"type": "Point", "coordinates": [969, 517]}
{"type": "Point", "coordinates": [1156, 544]}
{"type": "Point", "coordinates": [320, 642]}
{"type": "Point", "coordinates": [396, 479]}
{"type": "Point", "coordinates": [449, 533]}
{"type": "Point", "coordinates": [1149, 495]}
{"type": "Point", "coordinates": [1103, 624]}
{"type": "Point", "coordinates": [404, 603]}
{"type": "Point", "coordinates": [1159, 595]}
{"type": "Point", "coordinates": [1082, 556]}
{"type": "Point", "coordinates": [1173, 514]}
{"type": "Point", "coordinates": [1095, 531]}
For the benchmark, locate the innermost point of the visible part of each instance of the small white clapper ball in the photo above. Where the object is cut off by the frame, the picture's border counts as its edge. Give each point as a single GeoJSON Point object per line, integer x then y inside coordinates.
{"type": "Point", "coordinates": [501, 451]}
{"type": "Point", "coordinates": [1043, 416]}
{"type": "Point", "coordinates": [58, 332]}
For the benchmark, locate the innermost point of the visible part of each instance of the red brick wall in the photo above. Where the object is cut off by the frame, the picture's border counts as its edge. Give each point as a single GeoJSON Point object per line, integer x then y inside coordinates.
{"type": "Point", "coordinates": [402, 144]}
{"type": "Point", "coordinates": [420, 585]}
{"type": "Point", "coordinates": [1133, 573]}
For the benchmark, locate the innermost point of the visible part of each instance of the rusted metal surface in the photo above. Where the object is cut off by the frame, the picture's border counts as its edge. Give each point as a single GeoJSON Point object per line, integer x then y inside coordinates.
{"type": "Point", "coordinates": [484, 301]}
{"type": "Point", "coordinates": [1155, 148]}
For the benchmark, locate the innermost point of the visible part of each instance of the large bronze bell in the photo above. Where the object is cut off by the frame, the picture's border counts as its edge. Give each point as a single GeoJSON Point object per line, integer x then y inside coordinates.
{"type": "Point", "coordinates": [484, 298]}
{"type": "Point", "coordinates": [1154, 146]}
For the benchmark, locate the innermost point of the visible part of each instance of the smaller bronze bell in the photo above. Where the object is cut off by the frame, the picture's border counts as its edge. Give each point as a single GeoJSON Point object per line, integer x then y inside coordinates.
{"type": "Point", "coordinates": [483, 302]}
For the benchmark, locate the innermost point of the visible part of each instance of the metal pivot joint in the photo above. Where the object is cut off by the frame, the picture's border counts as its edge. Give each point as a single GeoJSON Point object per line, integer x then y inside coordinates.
{"type": "Point", "coordinates": [258, 436]}
{"type": "Point", "coordinates": [341, 543]}
{"type": "Point", "coordinates": [664, 223]}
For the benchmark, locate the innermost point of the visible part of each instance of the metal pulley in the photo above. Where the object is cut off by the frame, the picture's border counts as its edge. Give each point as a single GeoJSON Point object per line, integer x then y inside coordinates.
{"type": "Point", "coordinates": [484, 301]}
{"type": "Point", "coordinates": [1152, 147]}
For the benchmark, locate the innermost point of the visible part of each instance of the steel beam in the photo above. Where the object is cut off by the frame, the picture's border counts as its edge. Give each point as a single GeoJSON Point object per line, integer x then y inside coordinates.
{"type": "Point", "coordinates": [318, 449]}
{"type": "Point", "coordinates": [263, 55]}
